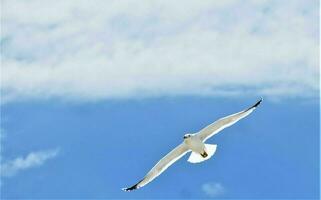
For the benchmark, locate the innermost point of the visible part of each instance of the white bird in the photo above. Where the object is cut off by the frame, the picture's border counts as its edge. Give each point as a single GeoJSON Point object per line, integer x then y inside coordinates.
{"type": "Point", "coordinates": [195, 143]}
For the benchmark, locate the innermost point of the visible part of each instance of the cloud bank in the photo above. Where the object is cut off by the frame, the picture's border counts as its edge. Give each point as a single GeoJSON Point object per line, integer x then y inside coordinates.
{"type": "Point", "coordinates": [124, 49]}
{"type": "Point", "coordinates": [33, 159]}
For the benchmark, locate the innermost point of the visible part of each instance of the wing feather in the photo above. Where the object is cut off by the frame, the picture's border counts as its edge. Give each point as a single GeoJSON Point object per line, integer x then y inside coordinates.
{"type": "Point", "coordinates": [161, 166]}
{"type": "Point", "coordinates": [224, 122]}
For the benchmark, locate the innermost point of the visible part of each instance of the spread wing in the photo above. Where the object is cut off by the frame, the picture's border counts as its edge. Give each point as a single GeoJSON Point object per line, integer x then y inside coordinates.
{"type": "Point", "coordinates": [224, 122]}
{"type": "Point", "coordinates": [161, 166]}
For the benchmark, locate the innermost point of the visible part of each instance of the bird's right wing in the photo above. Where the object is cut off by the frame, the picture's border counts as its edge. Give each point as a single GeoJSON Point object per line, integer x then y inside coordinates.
{"type": "Point", "coordinates": [222, 123]}
{"type": "Point", "coordinates": [161, 166]}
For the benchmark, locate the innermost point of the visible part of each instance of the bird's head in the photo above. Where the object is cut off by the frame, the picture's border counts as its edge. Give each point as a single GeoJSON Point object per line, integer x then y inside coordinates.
{"type": "Point", "coordinates": [187, 136]}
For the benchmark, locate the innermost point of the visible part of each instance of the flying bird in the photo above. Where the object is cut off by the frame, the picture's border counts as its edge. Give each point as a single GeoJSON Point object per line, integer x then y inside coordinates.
{"type": "Point", "coordinates": [194, 143]}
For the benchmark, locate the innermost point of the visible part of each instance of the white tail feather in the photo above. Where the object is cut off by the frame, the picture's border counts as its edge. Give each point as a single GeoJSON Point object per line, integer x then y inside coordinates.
{"type": "Point", "coordinates": [197, 158]}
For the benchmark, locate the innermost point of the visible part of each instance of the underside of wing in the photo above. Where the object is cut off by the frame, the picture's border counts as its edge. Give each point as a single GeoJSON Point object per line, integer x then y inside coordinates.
{"type": "Point", "coordinates": [222, 123]}
{"type": "Point", "coordinates": [161, 166]}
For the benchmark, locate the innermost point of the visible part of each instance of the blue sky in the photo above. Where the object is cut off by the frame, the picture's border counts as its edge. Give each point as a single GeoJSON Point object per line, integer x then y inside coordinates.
{"type": "Point", "coordinates": [92, 95]}
{"type": "Point", "coordinates": [105, 146]}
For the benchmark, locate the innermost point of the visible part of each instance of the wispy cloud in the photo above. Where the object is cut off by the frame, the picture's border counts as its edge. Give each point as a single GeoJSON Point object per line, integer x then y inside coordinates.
{"type": "Point", "coordinates": [213, 189]}
{"type": "Point", "coordinates": [33, 159]}
{"type": "Point", "coordinates": [75, 50]}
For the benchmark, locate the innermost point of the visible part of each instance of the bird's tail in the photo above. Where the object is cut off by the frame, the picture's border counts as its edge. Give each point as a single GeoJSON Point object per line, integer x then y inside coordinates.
{"type": "Point", "coordinates": [209, 152]}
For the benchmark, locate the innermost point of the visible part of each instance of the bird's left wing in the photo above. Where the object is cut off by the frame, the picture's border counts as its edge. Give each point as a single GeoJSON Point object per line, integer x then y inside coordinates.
{"type": "Point", "coordinates": [224, 122]}
{"type": "Point", "coordinates": [161, 166]}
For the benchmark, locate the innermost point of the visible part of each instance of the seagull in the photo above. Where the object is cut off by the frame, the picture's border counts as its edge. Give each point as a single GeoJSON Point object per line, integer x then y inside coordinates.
{"type": "Point", "coordinates": [194, 143]}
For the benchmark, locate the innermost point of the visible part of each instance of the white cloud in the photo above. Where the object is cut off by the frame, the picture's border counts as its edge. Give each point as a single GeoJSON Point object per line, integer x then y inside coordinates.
{"type": "Point", "coordinates": [123, 49]}
{"type": "Point", "coordinates": [33, 159]}
{"type": "Point", "coordinates": [213, 189]}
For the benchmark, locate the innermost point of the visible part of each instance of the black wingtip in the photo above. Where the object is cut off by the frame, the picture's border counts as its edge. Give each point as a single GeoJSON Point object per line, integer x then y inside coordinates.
{"type": "Point", "coordinates": [255, 105]}
{"type": "Point", "coordinates": [134, 187]}
{"type": "Point", "coordinates": [129, 189]}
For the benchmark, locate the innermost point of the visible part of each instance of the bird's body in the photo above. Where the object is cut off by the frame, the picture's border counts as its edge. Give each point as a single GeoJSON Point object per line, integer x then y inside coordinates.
{"type": "Point", "coordinates": [194, 143]}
